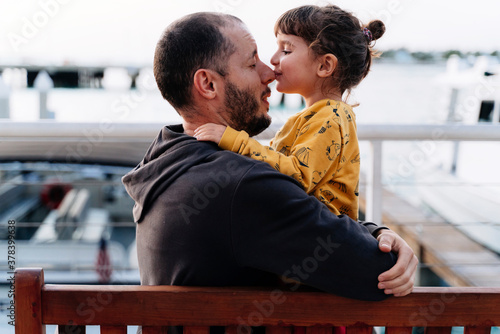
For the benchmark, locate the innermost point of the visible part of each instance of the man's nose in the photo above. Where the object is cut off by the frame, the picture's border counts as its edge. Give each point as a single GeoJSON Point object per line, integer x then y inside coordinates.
{"type": "Point", "coordinates": [266, 74]}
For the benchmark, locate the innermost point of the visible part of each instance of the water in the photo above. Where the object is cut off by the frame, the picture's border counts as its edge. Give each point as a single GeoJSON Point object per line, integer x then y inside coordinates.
{"type": "Point", "coordinates": [392, 93]}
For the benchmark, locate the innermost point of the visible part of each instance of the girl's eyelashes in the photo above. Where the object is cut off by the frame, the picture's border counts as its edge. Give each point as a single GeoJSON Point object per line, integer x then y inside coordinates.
{"type": "Point", "coordinates": [286, 52]}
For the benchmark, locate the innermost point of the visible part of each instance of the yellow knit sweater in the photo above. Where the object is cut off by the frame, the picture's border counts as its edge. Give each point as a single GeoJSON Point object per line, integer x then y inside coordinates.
{"type": "Point", "coordinates": [318, 147]}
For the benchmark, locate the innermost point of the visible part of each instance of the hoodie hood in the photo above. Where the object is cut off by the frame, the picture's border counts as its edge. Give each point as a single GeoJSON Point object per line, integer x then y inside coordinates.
{"type": "Point", "coordinates": [163, 163]}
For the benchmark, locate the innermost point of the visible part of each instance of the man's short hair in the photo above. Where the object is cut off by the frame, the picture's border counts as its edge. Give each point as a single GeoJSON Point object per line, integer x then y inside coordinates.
{"type": "Point", "coordinates": [187, 45]}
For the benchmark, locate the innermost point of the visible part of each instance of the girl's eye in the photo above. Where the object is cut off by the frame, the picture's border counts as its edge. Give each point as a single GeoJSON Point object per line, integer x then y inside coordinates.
{"type": "Point", "coordinates": [286, 52]}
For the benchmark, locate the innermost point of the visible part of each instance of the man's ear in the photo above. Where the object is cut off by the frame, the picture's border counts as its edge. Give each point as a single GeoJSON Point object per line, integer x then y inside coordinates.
{"type": "Point", "coordinates": [205, 83]}
{"type": "Point", "coordinates": [327, 65]}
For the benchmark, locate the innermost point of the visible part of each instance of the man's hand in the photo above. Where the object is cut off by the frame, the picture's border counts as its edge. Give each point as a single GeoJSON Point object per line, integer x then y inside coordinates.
{"type": "Point", "coordinates": [399, 279]}
{"type": "Point", "coordinates": [210, 132]}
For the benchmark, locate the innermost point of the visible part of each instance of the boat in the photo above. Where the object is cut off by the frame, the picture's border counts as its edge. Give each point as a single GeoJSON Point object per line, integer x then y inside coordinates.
{"type": "Point", "coordinates": [63, 211]}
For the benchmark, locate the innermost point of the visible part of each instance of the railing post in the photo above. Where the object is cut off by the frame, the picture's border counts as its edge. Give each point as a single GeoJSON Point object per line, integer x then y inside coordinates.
{"type": "Point", "coordinates": [454, 159]}
{"type": "Point", "coordinates": [4, 99]}
{"type": "Point", "coordinates": [495, 117]}
{"type": "Point", "coordinates": [44, 83]}
{"type": "Point", "coordinates": [374, 184]}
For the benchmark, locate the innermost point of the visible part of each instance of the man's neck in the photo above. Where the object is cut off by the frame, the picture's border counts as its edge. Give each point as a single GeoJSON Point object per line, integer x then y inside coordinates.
{"type": "Point", "coordinates": [192, 123]}
{"type": "Point", "coordinates": [189, 127]}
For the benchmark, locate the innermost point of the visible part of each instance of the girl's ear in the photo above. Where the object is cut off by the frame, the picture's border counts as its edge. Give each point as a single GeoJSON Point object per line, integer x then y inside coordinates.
{"type": "Point", "coordinates": [327, 65]}
{"type": "Point", "coordinates": [206, 83]}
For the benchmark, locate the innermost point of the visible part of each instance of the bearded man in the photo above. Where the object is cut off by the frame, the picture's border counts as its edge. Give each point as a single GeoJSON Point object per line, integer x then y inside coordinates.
{"type": "Point", "coordinates": [208, 217]}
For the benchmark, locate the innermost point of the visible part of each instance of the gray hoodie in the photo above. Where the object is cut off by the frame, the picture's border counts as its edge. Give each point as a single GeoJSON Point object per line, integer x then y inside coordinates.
{"type": "Point", "coordinates": [208, 217]}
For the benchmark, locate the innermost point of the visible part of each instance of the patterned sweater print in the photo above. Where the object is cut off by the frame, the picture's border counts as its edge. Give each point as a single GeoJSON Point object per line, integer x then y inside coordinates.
{"type": "Point", "coordinates": [318, 147]}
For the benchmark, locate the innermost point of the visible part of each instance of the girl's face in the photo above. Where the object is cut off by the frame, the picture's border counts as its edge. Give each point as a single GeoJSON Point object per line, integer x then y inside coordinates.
{"type": "Point", "coordinates": [295, 66]}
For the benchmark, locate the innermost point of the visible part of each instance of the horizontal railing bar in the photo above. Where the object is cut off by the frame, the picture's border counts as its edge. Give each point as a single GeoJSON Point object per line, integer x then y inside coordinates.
{"type": "Point", "coordinates": [201, 306]}
{"type": "Point", "coordinates": [396, 183]}
{"type": "Point", "coordinates": [138, 131]}
{"type": "Point", "coordinates": [445, 132]}
{"type": "Point", "coordinates": [406, 223]}
{"type": "Point", "coordinates": [75, 139]}
{"type": "Point", "coordinates": [37, 224]}
{"type": "Point", "coordinates": [53, 129]}
{"type": "Point", "coordinates": [492, 184]}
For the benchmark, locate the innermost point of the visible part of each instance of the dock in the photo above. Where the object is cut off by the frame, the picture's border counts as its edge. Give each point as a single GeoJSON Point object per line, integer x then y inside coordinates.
{"type": "Point", "coordinates": [439, 245]}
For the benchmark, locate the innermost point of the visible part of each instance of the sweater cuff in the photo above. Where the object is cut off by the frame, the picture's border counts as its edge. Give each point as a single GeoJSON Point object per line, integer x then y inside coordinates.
{"type": "Point", "coordinates": [373, 228]}
{"type": "Point", "coordinates": [228, 138]}
{"type": "Point", "coordinates": [233, 140]}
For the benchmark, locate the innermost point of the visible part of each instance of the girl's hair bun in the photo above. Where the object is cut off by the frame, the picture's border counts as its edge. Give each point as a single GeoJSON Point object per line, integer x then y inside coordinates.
{"type": "Point", "coordinates": [377, 28]}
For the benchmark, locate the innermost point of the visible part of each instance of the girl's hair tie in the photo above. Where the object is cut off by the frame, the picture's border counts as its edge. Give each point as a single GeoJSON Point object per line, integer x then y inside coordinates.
{"type": "Point", "coordinates": [368, 34]}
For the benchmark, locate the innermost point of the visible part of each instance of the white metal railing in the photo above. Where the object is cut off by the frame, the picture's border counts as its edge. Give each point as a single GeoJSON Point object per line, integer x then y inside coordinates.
{"type": "Point", "coordinates": [376, 134]}
{"type": "Point", "coordinates": [370, 132]}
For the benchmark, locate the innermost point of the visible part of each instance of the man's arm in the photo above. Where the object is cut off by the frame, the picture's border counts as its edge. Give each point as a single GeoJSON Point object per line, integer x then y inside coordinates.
{"type": "Point", "coordinates": [278, 228]}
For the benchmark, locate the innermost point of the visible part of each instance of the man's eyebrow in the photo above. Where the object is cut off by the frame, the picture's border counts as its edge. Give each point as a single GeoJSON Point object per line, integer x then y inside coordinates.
{"type": "Point", "coordinates": [253, 55]}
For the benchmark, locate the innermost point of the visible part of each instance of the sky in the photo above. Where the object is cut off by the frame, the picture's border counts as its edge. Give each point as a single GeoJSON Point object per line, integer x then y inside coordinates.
{"type": "Point", "coordinates": [126, 31]}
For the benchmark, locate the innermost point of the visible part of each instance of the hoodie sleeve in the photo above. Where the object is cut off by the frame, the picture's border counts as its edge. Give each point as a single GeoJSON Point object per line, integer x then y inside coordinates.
{"type": "Point", "coordinates": [278, 228]}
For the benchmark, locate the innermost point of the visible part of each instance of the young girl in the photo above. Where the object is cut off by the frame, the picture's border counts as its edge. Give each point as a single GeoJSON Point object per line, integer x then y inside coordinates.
{"type": "Point", "coordinates": [323, 52]}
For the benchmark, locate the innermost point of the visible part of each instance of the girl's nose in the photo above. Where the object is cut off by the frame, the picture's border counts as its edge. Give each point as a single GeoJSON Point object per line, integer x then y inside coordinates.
{"type": "Point", "coordinates": [275, 60]}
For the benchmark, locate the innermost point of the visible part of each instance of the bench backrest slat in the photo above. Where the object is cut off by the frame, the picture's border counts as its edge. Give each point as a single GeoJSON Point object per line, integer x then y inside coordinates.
{"type": "Point", "coordinates": [477, 330]}
{"type": "Point", "coordinates": [404, 330]}
{"type": "Point", "coordinates": [437, 330]}
{"type": "Point", "coordinates": [166, 305]}
{"type": "Point", "coordinates": [154, 330]}
{"type": "Point", "coordinates": [196, 308]}
{"type": "Point", "coordinates": [113, 329]}
{"type": "Point", "coordinates": [272, 330]}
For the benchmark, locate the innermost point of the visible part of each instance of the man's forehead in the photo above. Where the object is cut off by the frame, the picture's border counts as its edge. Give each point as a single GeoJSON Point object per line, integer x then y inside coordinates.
{"type": "Point", "coordinates": [243, 40]}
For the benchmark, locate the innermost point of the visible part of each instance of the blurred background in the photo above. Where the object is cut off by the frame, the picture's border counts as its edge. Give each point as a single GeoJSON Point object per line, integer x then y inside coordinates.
{"type": "Point", "coordinates": [96, 32]}
{"type": "Point", "coordinates": [79, 107]}
{"type": "Point", "coordinates": [60, 35]}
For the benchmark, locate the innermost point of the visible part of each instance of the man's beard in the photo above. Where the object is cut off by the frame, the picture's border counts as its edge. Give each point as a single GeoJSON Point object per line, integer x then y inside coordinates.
{"type": "Point", "coordinates": [242, 107]}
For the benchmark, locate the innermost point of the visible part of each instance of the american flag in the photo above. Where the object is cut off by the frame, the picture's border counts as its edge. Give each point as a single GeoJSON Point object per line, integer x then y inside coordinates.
{"type": "Point", "coordinates": [103, 263]}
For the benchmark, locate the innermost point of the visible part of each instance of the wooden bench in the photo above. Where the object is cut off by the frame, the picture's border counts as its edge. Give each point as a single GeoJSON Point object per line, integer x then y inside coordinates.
{"type": "Point", "coordinates": [113, 307]}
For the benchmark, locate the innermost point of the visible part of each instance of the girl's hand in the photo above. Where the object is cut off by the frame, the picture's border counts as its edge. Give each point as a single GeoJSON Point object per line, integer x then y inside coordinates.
{"type": "Point", "coordinates": [210, 132]}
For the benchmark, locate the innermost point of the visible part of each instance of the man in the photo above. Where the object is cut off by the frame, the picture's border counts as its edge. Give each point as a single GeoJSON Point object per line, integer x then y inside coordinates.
{"type": "Point", "coordinates": [209, 217]}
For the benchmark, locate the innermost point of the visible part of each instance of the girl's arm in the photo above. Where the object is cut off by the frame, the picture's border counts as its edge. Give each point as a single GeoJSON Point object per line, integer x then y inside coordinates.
{"type": "Point", "coordinates": [317, 147]}
{"type": "Point", "coordinates": [210, 132]}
